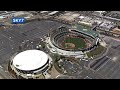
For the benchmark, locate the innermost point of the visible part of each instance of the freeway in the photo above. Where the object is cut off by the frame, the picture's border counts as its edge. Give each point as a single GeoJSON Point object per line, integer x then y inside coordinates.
{"type": "Point", "coordinates": [108, 18]}
{"type": "Point", "coordinates": [7, 13]}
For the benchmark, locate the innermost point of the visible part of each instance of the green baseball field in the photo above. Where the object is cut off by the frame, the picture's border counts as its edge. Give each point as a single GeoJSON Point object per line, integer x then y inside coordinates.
{"type": "Point", "coordinates": [74, 43]}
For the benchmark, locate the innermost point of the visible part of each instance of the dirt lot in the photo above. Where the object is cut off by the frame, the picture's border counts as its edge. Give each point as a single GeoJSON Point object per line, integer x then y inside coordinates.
{"type": "Point", "coordinates": [116, 30]}
{"type": "Point", "coordinates": [53, 72]}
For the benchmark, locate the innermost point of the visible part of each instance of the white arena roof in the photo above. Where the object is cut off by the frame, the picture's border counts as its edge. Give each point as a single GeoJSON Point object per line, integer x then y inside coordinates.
{"type": "Point", "coordinates": [30, 60]}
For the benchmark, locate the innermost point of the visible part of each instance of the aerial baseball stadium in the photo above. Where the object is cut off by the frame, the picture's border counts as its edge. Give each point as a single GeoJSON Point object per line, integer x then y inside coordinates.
{"type": "Point", "coordinates": [59, 45]}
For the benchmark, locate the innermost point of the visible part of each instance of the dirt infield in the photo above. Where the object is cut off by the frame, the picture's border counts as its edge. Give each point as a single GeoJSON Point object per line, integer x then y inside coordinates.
{"type": "Point", "coordinates": [69, 45]}
{"type": "Point", "coordinates": [73, 43]}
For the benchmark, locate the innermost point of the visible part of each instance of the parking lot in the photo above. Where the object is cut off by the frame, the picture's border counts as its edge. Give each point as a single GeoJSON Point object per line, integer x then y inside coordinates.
{"type": "Point", "coordinates": [12, 37]}
{"type": "Point", "coordinates": [71, 68]}
{"type": "Point", "coordinates": [111, 69]}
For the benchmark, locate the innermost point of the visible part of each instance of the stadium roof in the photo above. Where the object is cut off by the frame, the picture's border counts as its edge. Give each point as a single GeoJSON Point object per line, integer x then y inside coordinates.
{"type": "Point", "coordinates": [86, 30]}
{"type": "Point", "coordinates": [30, 60]}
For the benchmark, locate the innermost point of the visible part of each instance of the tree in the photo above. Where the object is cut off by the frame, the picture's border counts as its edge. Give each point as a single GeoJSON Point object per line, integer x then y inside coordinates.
{"type": "Point", "coordinates": [56, 57]}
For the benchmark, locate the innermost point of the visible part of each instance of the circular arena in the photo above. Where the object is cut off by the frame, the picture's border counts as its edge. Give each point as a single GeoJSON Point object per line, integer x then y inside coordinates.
{"type": "Point", "coordinates": [74, 39]}
{"type": "Point", "coordinates": [30, 63]}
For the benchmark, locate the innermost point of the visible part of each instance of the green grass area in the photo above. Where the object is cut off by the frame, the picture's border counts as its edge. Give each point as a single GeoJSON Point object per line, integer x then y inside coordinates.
{"type": "Point", "coordinates": [58, 68]}
{"type": "Point", "coordinates": [56, 58]}
{"type": "Point", "coordinates": [85, 26]}
{"type": "Point", "coordinates": [96, 51]}
{"type": "Point", "coordinates": [78, 42]}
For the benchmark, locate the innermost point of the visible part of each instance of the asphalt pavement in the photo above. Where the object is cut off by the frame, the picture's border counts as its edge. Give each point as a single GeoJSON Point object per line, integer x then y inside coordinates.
{"type": "Point", "coordinates": [5, 74]}
{"type": "Point", "coordinates": [11, 38]}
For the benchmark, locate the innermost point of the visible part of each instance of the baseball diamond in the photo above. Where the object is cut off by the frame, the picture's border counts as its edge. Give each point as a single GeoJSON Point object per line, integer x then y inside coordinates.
{"type": "Point", "coordinates": [74, 39]}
